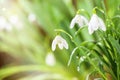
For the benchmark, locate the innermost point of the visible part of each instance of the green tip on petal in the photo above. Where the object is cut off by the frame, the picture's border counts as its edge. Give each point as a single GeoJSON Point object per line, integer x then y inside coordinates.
{"type": "Point", "coordinates": [78, 12]}
{"type": "Point", "coordinates": [82, 10]}
{"type": "Point", "coordinates": [58, 33]}
{"type": "Point", "coordinates": [94, 10]}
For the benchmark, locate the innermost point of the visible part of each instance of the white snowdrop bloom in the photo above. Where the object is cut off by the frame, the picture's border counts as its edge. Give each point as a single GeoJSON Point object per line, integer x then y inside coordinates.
{"type": "Point", "coordinates": [60, 42]}
{"type": "Point", "coordinates": [2, 22]}
{"type": "Point", "coordinates": [14, 19]}
{"type": "Point", "coordinates": [8, 27]}
{"type": "Point", "coordinates": [50, 59]}
{"type": "Point", "coordinates": [31, 17]}
{"type": "Point", "coordinates": [4, 25]}
{"type": "Point", "coordinates": [96, 23]}
{"type": "Point", "coordinates": [80, 20]}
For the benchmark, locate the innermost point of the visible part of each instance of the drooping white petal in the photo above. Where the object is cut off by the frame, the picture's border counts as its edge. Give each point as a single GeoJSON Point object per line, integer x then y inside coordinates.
{"type": "Point", "coordinates": [60, 45]}
{"type": "Point", "coordinates": [85, 21]}
{"type": "Point", "coordinates": [80, 23]}
{"type": "Point", "coordinates": [95, 23]}
{"type": "Point", "coordinates": [102, 25]}
{"type": "Point", "coordinates": [80, 20]}
{"type": "Point", "coordinates": [65, 44]}
{"type": "Point", "coordinates": [54, 43]}
{"type": "Point", "coordinates": [90, 29]}
{"type": "Point", "coordinates": [74, 21]}
{"type": "Point", "coordinates": [72, 24]}
{"type": "Point", "coordinates": [60, 42]}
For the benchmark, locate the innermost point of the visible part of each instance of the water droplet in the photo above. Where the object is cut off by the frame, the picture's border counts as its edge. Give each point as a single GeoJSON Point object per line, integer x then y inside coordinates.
{"type": "Point", "coordinates": [82, 58]}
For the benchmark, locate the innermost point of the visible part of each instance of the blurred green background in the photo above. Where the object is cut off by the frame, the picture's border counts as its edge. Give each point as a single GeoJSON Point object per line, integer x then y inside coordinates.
{"type": "Point", "coordinates": [26, 33]}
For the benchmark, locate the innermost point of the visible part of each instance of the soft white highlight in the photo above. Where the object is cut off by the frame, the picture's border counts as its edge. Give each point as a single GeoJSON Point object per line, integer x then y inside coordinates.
{"type": "Point", "coordinates": [2, 21]}
{"type": "Point", "coordinates": [15, 20]}
{"type": "Point", "coordinates": [31, 17]}
{"type": "Point", "coordinates": [50, 59]}
{"type": "Point", "coordinates": [4, 25]}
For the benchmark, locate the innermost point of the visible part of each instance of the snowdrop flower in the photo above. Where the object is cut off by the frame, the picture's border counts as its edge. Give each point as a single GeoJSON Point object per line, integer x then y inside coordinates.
{"type": "Point", "coordinates": [96, 23]}
{"type": "Point", "coordinates": [31, 17]}
{"type": "Point", "coordinates": [80, 20]}
{"type": "Point", "coordinates": [2, 21]}
{"type": "Point", "coordinates": [50, 59]}
{"type": "Point", "coordinates": [14, 20]}
{"type": "Point", "coordinates": [60, 42]}
{"type": "Point", "coordinates": [4, 25]}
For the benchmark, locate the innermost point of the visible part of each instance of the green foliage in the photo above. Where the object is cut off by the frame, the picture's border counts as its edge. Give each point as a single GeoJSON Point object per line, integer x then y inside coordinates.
{"type": "Point", "coordinates": [88, 57]}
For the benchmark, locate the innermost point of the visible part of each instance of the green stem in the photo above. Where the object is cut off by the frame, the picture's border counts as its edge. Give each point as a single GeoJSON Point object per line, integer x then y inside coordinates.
{"type": "Point", "coordinates": [60, 30]}
{"type": "Point", "coordinates": [72, 55]}
{"type": "Point", "coordinates": [96, 67]}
